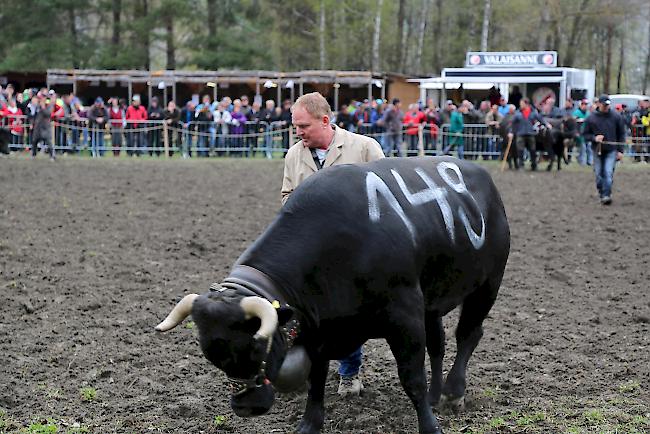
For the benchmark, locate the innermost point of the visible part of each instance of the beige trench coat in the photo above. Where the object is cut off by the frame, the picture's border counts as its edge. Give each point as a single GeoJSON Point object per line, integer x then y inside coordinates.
{"type": "Point", "coordinates": [348, 148]}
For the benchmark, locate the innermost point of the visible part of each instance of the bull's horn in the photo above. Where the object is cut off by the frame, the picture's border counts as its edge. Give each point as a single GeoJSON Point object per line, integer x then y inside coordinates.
{"type": "Point", "coordinates": [178, 313]}
{"type": "Point", "coordinates": [261, 308]}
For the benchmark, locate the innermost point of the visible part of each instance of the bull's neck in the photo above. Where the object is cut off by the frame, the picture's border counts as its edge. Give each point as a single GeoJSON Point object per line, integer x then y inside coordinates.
{"type": "Point", "coordinates": [285, 252]}
{"type": "Point", "coordinates": [256, 281]}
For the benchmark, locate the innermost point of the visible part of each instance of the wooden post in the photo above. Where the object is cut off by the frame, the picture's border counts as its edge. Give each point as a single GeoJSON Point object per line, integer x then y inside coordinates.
{"type": "Point", "coordinates": [383, 89]}
{"type": "Point", "coordinates": [130, 92]}
{"type": "Point", "coordinates": [174, 91]}
{"type": "Point", "coordinates": [420, 140]}
{"type": "Point", "coordinates": [166, 139]}
{"type": "Point", "coordinates": [52, 151]}
{"type": "Point", "coordinates": [301, 87]}
{"type": "Point", "coordinates": [505, 155]}
{"type": "Point", "coordinates": [336, 97]}
{"type": "Point", "coordinates": [370, 90]}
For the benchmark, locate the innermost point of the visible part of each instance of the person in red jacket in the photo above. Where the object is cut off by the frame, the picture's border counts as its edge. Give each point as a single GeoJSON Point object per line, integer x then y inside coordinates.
{"type": "Point", "coordinates": [135, 139]}
{"type": "Point", "coordinates": [412, 120]}
{"type": "Point", "coordinates": [13, 116]}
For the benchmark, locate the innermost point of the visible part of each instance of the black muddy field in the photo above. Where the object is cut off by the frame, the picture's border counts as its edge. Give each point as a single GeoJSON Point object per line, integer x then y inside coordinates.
{"type": "Point", "coordinates": [94, 253]}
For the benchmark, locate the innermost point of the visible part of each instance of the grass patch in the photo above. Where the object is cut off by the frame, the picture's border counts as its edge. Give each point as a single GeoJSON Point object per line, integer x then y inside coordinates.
{"type": "Point", "coordinates": [220, 423]}
{"type": "Point", "coordinates": [88, 393]}
{"type": "Point", "coordinates": [630, 387]}
{"type": "Point", "coordinates": [616, 414]}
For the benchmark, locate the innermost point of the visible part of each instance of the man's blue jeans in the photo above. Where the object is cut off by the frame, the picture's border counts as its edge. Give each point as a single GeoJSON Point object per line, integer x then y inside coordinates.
{"type": "Point", "coordinates": [350, 365]}
{"type": "Point", "coordinates": [604, 165]}
{"type": "Point", "coordinates": [586, 154]}
{"type": "Point", "coordinates": [392, 141]}
{"type": "Point", "coordinates": [97, 142]}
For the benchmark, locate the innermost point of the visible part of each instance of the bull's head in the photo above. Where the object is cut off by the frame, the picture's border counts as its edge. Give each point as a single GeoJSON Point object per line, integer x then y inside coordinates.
{"type": "Point", "coordinates": [238, 335]}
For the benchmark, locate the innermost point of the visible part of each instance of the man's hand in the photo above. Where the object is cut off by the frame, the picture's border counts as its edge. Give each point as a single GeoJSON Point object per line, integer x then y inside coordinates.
{"type": "Point", "coordinates": [619, 156]}
{"type": "Point", "coordinates": [599, 138]}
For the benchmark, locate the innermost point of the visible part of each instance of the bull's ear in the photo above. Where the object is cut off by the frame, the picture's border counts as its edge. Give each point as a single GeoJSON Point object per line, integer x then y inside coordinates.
{"type": "Point", "coordinates": [284, 314]}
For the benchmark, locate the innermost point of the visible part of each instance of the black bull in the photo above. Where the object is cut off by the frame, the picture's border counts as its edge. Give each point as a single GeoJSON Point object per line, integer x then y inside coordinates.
{"type": "Point", "coordinates": [378, 250]}
{"type": "Point", "coordinates": [556, 140]}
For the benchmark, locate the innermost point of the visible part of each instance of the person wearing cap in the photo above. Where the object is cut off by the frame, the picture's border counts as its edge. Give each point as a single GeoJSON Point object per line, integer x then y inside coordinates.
{"type": "Point", "coordinates": [98, 116]}
{"type": "Point", "coordinates": [606, 130]}
{"type": "Point", "coordinates": [136, 114]}
{"type": "Point", "coordinates": [323, 145]}
{"type": "Point", "coordinates": [585, 154]}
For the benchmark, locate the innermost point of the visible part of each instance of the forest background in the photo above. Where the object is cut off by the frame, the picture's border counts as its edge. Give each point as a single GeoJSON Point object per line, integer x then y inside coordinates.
{"type": "Point", "coordinates": [414, 37]}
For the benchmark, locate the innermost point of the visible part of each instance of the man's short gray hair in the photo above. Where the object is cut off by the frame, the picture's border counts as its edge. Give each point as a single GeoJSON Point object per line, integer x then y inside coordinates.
{"type": "Point", "coordinates": [315, 104]}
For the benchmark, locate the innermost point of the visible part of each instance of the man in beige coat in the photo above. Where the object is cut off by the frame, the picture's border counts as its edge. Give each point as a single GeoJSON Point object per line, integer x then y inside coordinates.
{"type": "Point", "coordinates": [323, 145]}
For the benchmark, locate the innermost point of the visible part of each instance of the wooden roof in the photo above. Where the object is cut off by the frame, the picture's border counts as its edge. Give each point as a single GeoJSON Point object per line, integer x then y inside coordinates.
{"type": "Point", "coordinates": [67, 76]}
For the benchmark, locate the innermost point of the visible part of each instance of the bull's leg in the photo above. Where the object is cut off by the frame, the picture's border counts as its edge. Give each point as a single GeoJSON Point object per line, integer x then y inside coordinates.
{"type": "Point", "coordinates": [407, 342]}
{"type": "Point", "coordinates": [314, 415]}
{"type": "Point", "coordinates": [468, 334]}
{"type": "Point", "coordinates": [436, 349]}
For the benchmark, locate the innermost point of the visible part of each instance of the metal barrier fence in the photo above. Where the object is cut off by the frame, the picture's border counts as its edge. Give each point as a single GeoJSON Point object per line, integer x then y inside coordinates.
{"type": "Point", "coordinates": [203, 139]}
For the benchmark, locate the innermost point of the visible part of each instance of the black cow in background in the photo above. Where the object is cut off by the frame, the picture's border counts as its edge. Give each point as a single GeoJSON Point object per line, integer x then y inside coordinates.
{"type": "Point", "coordinates": [552, 140]}
{"type": "Point", "coordinates": [5, 140]}
{"type": "Point", "coordinates": [377, 250]}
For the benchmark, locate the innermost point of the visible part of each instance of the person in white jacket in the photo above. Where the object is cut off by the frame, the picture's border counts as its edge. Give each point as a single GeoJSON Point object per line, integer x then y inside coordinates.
{"type": "Point", "coordinates": [222, 119]}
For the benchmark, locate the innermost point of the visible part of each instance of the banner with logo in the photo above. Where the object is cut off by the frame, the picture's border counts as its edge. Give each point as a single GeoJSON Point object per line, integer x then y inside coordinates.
{"type": "Point", "coordinates": [511, 59]}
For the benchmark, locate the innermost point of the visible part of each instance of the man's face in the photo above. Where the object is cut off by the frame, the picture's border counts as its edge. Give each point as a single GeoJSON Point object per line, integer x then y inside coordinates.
{"type": "Point", "coordinates": [603, 107]}
{"type": "Point", "coordinates": [312, 131]}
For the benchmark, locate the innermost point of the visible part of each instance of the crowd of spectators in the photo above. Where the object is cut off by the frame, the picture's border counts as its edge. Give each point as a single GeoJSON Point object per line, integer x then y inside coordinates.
{"type": "Point", "coordinates": [239, 128]}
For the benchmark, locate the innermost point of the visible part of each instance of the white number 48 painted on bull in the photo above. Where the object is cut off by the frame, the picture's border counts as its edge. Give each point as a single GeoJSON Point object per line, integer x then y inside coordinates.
{"type": "Point", "coordinates": [375, 186]}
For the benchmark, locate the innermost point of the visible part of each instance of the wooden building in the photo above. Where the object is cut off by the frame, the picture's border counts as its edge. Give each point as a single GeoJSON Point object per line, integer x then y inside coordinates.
{"type": "Point", "coordinates": [337, 86]}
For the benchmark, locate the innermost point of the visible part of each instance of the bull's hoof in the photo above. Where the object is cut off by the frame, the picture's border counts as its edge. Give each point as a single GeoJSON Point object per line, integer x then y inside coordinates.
{"type": "Point", "coordinates": [455, 404]}
{"type": "Point", "coordinates": [307, 427]}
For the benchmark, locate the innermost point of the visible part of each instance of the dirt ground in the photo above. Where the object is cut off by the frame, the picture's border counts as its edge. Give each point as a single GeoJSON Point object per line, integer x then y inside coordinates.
{"type": "Point", "coordinates": [94, 253]}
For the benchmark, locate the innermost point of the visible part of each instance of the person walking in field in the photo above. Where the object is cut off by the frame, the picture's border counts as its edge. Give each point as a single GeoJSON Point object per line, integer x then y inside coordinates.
{"type": "Point", "coordinates": [606, 130]}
